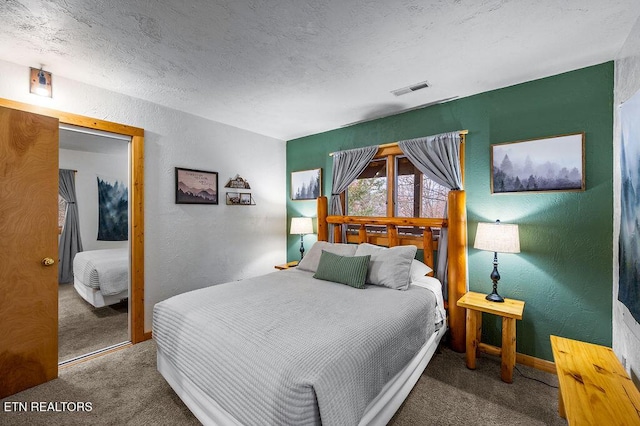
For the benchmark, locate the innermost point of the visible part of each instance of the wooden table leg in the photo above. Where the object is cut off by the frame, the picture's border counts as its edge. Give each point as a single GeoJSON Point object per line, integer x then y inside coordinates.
{"type": "Point", "coordinates": [474, 333]}
{"type": "Point", "coordinates": [561, 411]}
{"type": "Point", "coordinates": [508, 356]}
{"type": "Point", "coordinates": [478, 332]}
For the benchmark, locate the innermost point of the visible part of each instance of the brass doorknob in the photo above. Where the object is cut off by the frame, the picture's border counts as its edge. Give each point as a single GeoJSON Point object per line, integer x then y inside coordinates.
{"type": "Point", "coordinates": [47, 261]}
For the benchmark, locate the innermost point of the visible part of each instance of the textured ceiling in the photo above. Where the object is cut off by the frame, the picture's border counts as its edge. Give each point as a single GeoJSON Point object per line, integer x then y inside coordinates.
{"type": "Point", "coordinates": [289, 68]}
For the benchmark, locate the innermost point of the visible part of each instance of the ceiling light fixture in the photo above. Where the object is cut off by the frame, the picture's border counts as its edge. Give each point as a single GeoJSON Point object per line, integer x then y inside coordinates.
{"type": "Point", "coordinates": [40, 82]}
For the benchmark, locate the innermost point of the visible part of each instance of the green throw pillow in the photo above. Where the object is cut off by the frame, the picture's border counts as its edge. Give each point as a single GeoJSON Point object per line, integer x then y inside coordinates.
{"type": "Point", "coordinates": [349, 270]}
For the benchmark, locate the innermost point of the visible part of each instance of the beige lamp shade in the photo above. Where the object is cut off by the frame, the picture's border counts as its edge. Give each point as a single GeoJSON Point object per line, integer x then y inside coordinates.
{"type": "Point", "coordinates": [497, 237]}
{"type": "Point", "coordinates": [301, 225]}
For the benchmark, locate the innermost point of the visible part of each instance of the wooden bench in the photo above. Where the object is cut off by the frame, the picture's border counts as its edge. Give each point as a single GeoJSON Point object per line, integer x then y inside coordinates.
{"type": "Point", "coordinates": [594, 388]}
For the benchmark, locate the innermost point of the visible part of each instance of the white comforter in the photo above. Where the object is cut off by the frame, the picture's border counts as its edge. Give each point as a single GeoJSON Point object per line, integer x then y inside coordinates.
{"type": "Point", "coordinates": [288, 349]}
{"type": "Point", "coordinates": [107, 270]}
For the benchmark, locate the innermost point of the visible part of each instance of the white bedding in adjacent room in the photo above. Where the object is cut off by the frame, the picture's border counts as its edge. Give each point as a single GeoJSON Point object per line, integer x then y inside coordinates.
{"type": "Point", "coordinates": [286, 348]}
{"type": "Point", "coordinates": [107, 270]}
{"type": "Point", "coordinates": [102, 271]}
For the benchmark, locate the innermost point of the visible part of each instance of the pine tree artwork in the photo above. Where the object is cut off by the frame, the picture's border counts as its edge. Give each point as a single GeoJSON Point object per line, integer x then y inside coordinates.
{"type": "Point", "coordinates": [306, 184]}
{"type": "Point", "coordinates": [549, 164]}
{"type": "Point", "coordinates": [629, 237]}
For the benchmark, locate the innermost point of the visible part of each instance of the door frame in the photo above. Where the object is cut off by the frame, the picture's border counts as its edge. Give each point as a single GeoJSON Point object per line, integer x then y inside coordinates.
{"type": "Point", "coordinates": [136, 198]}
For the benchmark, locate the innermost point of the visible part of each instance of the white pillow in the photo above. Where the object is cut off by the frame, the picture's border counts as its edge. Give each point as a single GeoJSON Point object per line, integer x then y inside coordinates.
{"type": "Point", "coordinates": [311, 260]}
{"type": "Point", "coordinates": [388, 267]}
{"type": "Point", "coordinates": [419, 270]}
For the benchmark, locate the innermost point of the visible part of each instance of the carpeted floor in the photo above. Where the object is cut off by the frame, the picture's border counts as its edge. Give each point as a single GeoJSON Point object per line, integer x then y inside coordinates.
{"type": "Point", "coordinates": [124, 388]}
{"type": "Point", "coordinates": [83, 328]}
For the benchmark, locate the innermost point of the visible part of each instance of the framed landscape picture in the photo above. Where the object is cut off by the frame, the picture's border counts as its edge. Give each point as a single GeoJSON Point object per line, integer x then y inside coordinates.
{"type": "Point", "coordinates": [196, 186]}
{"type": "Point", "coordinates": [306, 184]}
{"type": "Point", "coordinates": [554, 163]}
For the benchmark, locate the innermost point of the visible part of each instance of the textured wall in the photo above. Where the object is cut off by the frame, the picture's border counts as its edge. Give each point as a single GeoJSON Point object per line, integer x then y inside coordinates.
{"type": "Point", "coordinates": [564, 270]}
{"type": "Point", "coordinates": [90, 165]}
{"type": "Point", "coordinates": [626, 331]}
{"type": "Point", "coordinates": [186, 246]}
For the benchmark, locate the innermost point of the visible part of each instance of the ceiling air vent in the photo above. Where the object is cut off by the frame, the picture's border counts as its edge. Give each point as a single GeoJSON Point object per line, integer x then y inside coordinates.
{"type": "Point", "coordinates": [412, 88]}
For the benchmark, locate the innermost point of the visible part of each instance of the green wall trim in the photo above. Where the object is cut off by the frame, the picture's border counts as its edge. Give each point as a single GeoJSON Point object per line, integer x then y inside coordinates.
{"type": "Point", "coordinates": [564, 271]}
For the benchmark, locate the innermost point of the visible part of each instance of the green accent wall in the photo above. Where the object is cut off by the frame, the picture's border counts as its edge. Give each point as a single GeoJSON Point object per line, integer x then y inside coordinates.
{"type": "Point", "coordinates": [564, 270]}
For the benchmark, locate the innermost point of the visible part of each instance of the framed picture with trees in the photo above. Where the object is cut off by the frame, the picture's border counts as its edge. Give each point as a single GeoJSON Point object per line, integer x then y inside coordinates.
{"type": "Point", "coordinates": [306, 184]}
{"type": "Point", "coordinates": [554, 163]}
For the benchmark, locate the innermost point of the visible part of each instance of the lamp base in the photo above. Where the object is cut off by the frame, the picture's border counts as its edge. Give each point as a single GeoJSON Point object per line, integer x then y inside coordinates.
{"type": "Point", "coordinates": [495, 277]}
{"type": "Point", "coordinates": [494, 297]}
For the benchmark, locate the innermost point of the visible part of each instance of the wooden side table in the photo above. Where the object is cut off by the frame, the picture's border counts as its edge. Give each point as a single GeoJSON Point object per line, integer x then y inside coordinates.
{"type": "Point", "coordinates": [288, 265]}
{"type": "Point", "coordinates": [510, 310]}
{"type": "Point", "coordinates": [593, 386]}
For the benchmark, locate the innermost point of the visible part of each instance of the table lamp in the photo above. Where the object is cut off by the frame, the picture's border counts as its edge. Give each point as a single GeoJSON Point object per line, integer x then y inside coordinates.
{"type": "Point", "coordinates": [498, 238]}
{"type": "Point", "coordinates": [301, 226]}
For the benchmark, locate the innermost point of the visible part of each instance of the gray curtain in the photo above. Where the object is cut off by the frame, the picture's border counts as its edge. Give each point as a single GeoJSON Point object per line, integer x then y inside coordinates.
{"type": "Point", "coordinates": [347, 166]}
{"type": "Point", "coordinates": [70, 242]}
{"type": "Point", "coordinates": [438, 157]}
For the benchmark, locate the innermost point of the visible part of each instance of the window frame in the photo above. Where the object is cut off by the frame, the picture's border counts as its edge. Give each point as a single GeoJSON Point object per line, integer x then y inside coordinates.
{"type": "Point", "coordinates": [392, 153]}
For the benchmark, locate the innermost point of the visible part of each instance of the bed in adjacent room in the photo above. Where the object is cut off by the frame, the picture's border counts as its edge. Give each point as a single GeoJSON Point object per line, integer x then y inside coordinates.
{"type": "Point", "coordinates": [305, 345]}
{"type": "Point", "coordinates": [101, 277]}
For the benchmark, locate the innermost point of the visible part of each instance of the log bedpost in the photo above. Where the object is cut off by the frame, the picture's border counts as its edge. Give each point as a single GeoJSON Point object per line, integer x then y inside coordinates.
{"type": "Point", "coordinates": [427, 251]}
{"type": "Point", "coordinates": [323, 230]}
{"type": "Point", "coordinates": [457, 273]}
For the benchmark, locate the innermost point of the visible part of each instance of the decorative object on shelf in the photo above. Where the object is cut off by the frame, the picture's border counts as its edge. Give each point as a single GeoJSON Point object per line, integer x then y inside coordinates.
{"type": "Point", "coordinates": [237, 183]}
{"type": "Point", "coordinates": [498, 238]}
{"type": "Point", "coordinates": [240, 198]}
{"type": "Point", "coordinates": [301, 226]}
{"type": "Point", "coordinates": [306, 184]}
{"type": "Point", "coordinates": [196, 186]}
{"type": "Point", "coordinates": [245, 198]}
{"type": "Point", "coordinates": [233, 198]}
{"type": "Point", "coordinates": [40, 82]}
{"type": "Point", "coordinates": [554, 163]}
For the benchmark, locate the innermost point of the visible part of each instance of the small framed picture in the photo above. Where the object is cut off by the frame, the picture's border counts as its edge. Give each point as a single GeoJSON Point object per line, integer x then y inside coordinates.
{"type": "Point", "coordinates": [196, 186]}
{"type": "Point", "coordinates": [245, 198]}
{"type": "Point", "coordinates": [306, 184]}
{"type": "Point", "coordinates": [554, 163]}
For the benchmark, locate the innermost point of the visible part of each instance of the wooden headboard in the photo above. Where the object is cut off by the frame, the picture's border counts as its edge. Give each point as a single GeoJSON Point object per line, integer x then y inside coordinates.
{"type": "Point", "coordinates": [457, 248]}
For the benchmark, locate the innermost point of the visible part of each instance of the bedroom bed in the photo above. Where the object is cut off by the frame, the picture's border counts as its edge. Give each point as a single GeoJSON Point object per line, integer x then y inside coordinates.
{"type": "Point", "coordinates": [288, 348]}
{"type": "Point", "coordinates": [101, 277]}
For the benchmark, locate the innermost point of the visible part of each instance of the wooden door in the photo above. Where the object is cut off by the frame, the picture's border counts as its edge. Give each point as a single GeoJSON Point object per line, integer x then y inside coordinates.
{"type": "Point", "coordinates": [28, 235]}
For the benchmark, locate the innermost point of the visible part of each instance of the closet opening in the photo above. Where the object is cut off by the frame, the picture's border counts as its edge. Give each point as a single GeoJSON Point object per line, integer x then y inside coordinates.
{"type": "Point", "coordinates": [94, 277]}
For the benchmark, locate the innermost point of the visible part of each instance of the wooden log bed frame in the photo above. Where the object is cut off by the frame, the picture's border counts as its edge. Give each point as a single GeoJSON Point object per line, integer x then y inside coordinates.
{"type": "Point", "coordinates": [456, 224]}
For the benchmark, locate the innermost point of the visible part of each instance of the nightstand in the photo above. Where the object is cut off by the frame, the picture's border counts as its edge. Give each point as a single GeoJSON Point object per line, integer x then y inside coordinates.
{"type": "Point", "coordinates": [510, 310]}
{"type": "Point", "coordinates": [291, 264]}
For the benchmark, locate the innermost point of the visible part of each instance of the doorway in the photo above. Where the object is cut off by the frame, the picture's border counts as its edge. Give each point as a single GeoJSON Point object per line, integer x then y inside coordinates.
{"type": "Point", "coordinates": [93, 288]}
{"type": "Point", "coordinates": [29, 342]}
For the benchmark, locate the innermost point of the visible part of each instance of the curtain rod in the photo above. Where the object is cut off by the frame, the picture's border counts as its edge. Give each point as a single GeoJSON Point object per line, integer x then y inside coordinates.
{"type": "Point", "coordinates": [390, 144]}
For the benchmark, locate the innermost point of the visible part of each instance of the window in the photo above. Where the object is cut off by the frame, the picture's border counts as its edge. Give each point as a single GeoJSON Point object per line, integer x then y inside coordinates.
{"type": "Point", "coordinates": [414, 194]}
{"type": "Point", "coordinates": [417, 195]}
{"type": "Point", "coordinates": [367, 195]}
{"type": "Point", "coordinates": [62, 211]}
